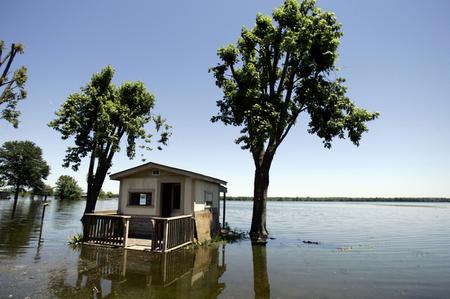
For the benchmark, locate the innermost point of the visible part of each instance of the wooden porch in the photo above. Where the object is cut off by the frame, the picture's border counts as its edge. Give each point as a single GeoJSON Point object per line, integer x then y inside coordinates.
{"type": "Point", "coordinates": [108, 228]}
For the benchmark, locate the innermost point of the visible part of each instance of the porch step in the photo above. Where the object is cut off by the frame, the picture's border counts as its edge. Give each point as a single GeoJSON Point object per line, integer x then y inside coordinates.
{"type": "Point", "coordinates": [139, 244]}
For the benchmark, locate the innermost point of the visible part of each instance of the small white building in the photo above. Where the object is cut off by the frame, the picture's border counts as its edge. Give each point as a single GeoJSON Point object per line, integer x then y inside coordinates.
{"type": "Point", "coordinates": [155, 190]}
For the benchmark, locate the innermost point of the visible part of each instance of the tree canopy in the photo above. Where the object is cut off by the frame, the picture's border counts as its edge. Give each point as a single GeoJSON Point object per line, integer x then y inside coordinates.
{"type": "Point", "coordinates": [12, 86]}
{"type": "Point", "coordinates": [98, 117]}
{"type": "Point", "coordinates": [22, 165]}
{"type": "Point", "coordinates": [285, 66]}
{"type": "Point", "coordinates": [68, 188]}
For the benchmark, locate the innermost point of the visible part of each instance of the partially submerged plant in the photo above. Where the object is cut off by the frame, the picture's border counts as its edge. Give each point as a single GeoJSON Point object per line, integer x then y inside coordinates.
{"type": "Point", "coordinates": [226, 235]}
{"type": "Point", "coordinates": [75, 240]}
{"type": "Point", "coordinates": [229, 235]}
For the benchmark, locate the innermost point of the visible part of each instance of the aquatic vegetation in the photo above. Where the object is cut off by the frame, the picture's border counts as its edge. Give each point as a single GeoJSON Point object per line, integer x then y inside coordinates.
{"type": "Point", "coordinates": [75, 240]}
{"type": "Point", "coordinates": [226, 235]}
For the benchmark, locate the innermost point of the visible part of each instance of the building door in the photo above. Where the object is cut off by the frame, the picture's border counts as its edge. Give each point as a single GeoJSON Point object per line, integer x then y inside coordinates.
{"type": "Point", "coordinates": [166, 199]}
{"type": "Point", "coordinates": [170, 198]}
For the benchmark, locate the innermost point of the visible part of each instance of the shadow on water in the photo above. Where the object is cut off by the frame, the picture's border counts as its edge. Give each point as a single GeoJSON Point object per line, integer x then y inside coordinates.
{"type": "Point", "coordinates": [112, 273]}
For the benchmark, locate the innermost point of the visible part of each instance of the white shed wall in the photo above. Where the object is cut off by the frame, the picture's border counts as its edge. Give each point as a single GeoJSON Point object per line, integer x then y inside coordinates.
{"type": "Point", "coordinates": [199, 194]}
{"type": "Point", "coordinates": [139, 184]}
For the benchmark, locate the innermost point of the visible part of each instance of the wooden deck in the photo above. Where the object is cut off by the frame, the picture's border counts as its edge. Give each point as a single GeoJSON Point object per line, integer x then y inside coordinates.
{"type": "Point", "coordinates": [110, 229]}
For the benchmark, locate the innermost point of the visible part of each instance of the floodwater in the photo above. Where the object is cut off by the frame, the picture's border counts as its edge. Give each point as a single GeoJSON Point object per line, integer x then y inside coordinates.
{"type": "Point", "coordinates": [352, 250]}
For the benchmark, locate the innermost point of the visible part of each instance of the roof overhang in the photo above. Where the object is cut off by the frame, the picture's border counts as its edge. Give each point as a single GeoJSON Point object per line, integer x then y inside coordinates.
{"type": "Point", "coordinates": [151, 165]}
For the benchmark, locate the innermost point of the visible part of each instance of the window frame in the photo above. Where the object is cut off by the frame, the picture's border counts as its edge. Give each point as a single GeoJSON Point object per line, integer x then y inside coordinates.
{"type": "Point", "coordinates": [206, 197]}
{"type": "Point", "coordinates": [146, 191]}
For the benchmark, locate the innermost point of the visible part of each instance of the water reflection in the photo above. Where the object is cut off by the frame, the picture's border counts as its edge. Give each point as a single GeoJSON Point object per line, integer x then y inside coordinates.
{"type": "Point", "coordinates": [16, 232]}
{"type": "Point", "coordinates": [261, 284]}
{"type": "Point", "coordinates": [111, 273]}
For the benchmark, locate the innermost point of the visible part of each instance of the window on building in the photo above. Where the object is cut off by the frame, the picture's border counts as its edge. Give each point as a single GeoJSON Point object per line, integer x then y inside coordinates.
{"type": "Point", "coordinates": [208, 198]}
{"type": "Point", "coordinates": [141, 199]}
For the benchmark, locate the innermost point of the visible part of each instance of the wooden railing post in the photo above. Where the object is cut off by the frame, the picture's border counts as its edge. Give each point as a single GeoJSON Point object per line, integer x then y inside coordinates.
{"type": "Point", "coordinates": [86, 227]}
{"type": "Point", "coordinates": [154, 237]}
{"type": "Point", "coordinates": [166, 233]}
{"type": "Point", "coordinates": [125, 231]}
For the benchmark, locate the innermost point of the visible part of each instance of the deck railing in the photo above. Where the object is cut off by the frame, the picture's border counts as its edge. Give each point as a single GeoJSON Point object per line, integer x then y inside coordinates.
{"type": "Point", "coordinates": [172, 233]}
{"type": "Point", "coordinates": [106, 229]}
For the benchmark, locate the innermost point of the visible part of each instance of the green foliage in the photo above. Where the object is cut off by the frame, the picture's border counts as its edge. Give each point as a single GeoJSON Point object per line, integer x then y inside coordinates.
{"type": "Point", "coordinates": [102, 194]}
{"type": "Point", "coordinates": [101, 114]}
{"type": "Point", "coordinates": [98, 117]}
{"type": "Point", "coordinates": [68, 188]}
{"type": "Point", "coordinates": [12, 87]}
{"type": "Point", "coordinates": [105, 195]}
{"type": "Point", "coordinates": [75, 240]}
{"type": "Point", "coordinates": [280, 68]}
{"type": "Point", "coordinates": [42, 189]}
{"type": "Point", "coordinates": [229, 235]}
{"type": "Point", "coordinates": [226, 235]}
{"type": "Point", "coordinates": [347, 199]}
{"type": "Point", "coordinates": [284, 66]}
{"type": "Point", "coordinates": [22, 165]}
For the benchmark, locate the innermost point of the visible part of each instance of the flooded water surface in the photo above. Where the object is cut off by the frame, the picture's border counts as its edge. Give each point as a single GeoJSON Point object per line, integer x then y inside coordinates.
{"type": "Point", "coordinates": [317, 250]}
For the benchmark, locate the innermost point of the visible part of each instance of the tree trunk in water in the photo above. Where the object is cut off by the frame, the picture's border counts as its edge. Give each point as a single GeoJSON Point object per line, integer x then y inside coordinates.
{"type": "Point", "coordinates": [258, 230]}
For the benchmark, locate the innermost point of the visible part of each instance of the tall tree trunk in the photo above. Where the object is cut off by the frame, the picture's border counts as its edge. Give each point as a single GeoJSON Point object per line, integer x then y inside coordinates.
{"type": "Point", "coordinates": [96, 184]}
{"type": "Point", "coordinates": [258, 230]}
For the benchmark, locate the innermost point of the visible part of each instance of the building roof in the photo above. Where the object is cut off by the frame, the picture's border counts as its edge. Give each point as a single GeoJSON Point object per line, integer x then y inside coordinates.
{"type": "Point", "coordinates": [151, 165]}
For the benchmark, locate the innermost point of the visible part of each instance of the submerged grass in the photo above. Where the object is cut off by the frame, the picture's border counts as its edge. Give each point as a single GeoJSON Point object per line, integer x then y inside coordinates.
{"type": "Point", "coordinates": [226, 235]}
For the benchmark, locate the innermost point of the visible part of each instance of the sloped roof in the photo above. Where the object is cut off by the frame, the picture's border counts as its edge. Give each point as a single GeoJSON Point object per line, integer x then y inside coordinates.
{"type": "Point", "coordinates": [151, 165]}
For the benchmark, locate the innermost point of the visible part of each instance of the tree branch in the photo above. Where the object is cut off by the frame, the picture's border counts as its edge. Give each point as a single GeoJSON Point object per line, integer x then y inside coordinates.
{"type": "Point", "coordinates": [3, 98]}
{"type": "Point", "coordinates": [292, 121]}
{"type": "Point", "coordinates": [234, 76]}
{"type": "Point", "coordinates": [8, 65]}
{"type": "Point", "coordinates": [283, 74]}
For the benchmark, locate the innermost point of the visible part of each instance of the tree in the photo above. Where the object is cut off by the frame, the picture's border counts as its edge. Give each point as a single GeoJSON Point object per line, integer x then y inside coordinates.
{"type": "Point", "coordinates": [98, 118]}
{"type": "Point", "coordinates": [102, 194]}
{"type": "Point", "coordinates": [42, 190]}
{"type": "Point", "coordinates": [22, 165]}
{"type": "Point", "coordinates": [12, 88]}
{"type": "Point", "coordinates": [68, 188]}
{"type": "Point", "coordinates": [283, 67]}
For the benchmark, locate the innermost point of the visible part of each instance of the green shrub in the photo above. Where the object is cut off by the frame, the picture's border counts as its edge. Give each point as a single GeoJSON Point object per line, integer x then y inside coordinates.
{"type": "Point", "coordinates": [76, 240]}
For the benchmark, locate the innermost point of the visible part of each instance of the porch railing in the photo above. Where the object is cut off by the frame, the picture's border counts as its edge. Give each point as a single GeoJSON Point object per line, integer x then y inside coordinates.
{"type": "Point", "coordinates": [172, 232]}
{"type": "Point", "coordinates": [106, 229]}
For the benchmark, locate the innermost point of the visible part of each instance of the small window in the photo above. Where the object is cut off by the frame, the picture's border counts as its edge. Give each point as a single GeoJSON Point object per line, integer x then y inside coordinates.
{"type": "Point", "coordinates": [141, 199]}
{"type": "Point", "coordinates": [208, 198]}
{"type": "Point", "coordinates": [176, 203]}
{"type": "Point", "coordinates": [155, 172]}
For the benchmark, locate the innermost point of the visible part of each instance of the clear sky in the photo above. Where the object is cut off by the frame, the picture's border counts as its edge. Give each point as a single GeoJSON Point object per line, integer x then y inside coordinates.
{"type": "Point", "coordinates": [394, 55]}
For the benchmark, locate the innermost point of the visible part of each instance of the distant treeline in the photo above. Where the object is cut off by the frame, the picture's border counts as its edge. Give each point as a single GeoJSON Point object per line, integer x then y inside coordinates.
{"type": "Point", "coordinates": [354, 199]}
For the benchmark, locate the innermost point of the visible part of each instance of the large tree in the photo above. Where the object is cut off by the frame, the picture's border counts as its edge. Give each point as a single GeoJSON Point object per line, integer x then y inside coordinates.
{"type": "Point", "coordinates": [98, 118]}
{"type": "Point", "coordinates": [12, 84]}
{"type": "Point", "coordinates": [68, 188]}
{"type": "Point", "coordinates": [22, 165]}
{"type": "Point", "coordinates": [284, 66]}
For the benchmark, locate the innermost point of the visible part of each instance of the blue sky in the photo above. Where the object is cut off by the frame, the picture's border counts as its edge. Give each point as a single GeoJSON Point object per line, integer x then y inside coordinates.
{"type": "Point", "coordinates": [394, 55]}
